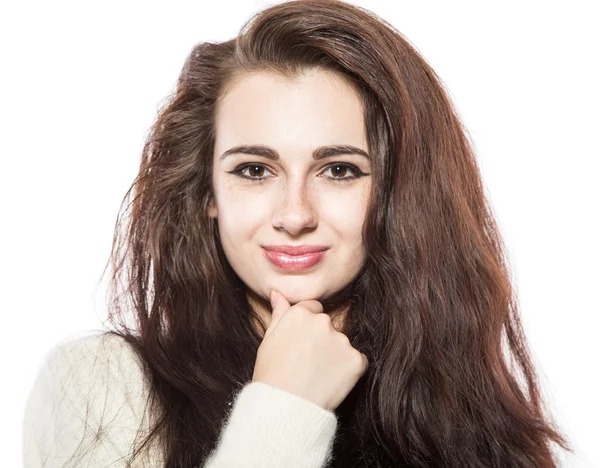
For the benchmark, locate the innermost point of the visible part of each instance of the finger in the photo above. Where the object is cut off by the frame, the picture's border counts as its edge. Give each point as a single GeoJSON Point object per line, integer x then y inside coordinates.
{"type": "Point", "coordinates": [279, 304]}
{"type": "Point", "coordinates": [313, 305]}
{"type": "Point", "coordinates": [365, 362]}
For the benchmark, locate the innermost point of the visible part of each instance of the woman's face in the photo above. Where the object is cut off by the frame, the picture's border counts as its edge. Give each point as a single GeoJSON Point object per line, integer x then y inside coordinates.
{"type": "Point", "coordinates": [293, 199]}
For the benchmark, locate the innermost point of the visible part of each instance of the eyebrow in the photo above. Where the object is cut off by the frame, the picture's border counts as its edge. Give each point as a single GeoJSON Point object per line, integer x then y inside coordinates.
{"type": "Point", "coordinates": [319, 153]}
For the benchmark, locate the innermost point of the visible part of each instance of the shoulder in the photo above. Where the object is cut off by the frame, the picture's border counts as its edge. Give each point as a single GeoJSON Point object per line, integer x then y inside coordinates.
{"type": "Point", "coordinates": [88, 365]}
{"type": "Point", "coordinates": [100, 367]}
{"type": "Point", "coordinates": [90, 393]}
{"type": "Point", "coordinates": [91, 348]}
{"type": "Point", "coordinates": [95, 357]}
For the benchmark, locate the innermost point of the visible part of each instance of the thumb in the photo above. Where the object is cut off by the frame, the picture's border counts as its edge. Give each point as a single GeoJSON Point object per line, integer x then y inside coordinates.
{"type": "Point", "coordinates": [279, 304]}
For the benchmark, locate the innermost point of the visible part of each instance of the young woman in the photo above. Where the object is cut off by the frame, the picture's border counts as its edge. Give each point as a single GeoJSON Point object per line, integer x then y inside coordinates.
{"type": "Point", "coordinates": [316, 155]}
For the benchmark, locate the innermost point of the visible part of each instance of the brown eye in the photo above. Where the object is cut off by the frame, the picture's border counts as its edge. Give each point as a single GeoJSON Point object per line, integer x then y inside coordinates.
{"type": "Point", "coordinates": [254, 172]}
{"type": "Point", "coordinates": [339, 171]}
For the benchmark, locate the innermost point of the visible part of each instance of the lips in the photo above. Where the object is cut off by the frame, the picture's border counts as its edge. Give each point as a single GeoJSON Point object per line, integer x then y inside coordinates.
{"type": "Point", "coordinates": [296, 249]}
{"type": "Point", "coordinates": [295, 262]}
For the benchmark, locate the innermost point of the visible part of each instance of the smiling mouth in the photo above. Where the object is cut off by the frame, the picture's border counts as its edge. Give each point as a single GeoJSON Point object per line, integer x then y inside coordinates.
{"type": "Point", "coordinates": [294, 262]}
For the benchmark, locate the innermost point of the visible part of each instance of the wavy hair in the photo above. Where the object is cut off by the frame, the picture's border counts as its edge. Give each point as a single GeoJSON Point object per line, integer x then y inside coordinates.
{"type": "Point", "coordinates": [451, 381]}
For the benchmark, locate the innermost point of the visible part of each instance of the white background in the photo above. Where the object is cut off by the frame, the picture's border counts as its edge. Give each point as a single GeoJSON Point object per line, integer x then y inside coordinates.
{"type": "Point", "coordinates": [81, 83]}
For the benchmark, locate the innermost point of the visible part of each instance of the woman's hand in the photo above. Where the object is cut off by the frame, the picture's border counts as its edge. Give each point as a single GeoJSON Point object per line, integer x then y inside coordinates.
{"type": "Point", "coordinates": [302, 353]}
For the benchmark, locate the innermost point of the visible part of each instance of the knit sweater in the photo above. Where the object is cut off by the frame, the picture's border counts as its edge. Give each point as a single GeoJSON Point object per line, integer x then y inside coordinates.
{"type": "Point", "coordinates": [87, 407]}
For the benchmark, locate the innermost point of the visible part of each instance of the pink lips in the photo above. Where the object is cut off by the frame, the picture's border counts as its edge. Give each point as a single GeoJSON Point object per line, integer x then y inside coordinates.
{"type": "Point", "coordinates": [294, 258]}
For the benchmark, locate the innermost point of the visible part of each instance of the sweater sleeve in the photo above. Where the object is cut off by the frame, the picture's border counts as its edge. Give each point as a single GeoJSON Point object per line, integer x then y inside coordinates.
{"type": "Point", "coordinates": [269, 427]}
{"type": "Point", "coordinates": [87, 407]}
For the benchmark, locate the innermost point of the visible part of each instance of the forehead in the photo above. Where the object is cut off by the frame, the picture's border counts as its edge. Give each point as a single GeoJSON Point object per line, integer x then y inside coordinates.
{"type": "Point", "coordinates": [316, 108]}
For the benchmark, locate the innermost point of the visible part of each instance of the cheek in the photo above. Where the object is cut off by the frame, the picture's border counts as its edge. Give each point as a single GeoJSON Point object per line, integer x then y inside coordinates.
{"type": "Point", "coordinates": [239, 212]}
{"type": "Point", "coordinates": [345, 211]}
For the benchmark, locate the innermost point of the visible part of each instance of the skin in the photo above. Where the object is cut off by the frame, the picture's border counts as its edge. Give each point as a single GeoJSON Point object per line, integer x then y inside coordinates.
{"type": "Point", "coordinates": [297, 202]}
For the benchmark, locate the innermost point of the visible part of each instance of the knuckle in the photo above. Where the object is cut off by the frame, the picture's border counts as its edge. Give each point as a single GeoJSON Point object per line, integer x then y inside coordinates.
{"type": "Point", "coordinates": [326, 319]}
{"type": "Point", "coordinates": [314, 306]}
{"type": "Point", "coordinates": [361, 360]}
{"type": "Point", "coordinates": [302, 309]}
{"type": "Point", "coordinates": [345, 340]}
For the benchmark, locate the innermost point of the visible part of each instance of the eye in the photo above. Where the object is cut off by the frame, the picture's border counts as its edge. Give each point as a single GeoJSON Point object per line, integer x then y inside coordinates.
{"type": "Point", "coordinates": [336, 168]}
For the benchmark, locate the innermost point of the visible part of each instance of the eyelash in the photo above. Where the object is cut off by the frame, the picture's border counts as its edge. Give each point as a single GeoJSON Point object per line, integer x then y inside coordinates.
{"type": "Point", "coordinates": [357, 172]}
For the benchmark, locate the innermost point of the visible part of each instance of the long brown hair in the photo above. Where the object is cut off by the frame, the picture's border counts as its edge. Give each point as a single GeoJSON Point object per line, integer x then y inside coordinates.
{"type": "Point", "coordinates": [433, 306]}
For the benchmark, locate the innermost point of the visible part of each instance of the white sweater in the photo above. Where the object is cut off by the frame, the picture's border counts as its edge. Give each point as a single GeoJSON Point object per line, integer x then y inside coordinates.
{"type": "Point", "coordinates": [88, 402]}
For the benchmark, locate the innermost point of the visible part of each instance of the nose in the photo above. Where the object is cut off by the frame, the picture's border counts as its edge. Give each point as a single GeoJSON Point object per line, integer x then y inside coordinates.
{"type": "Point", "coordinates": [295, 211]}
